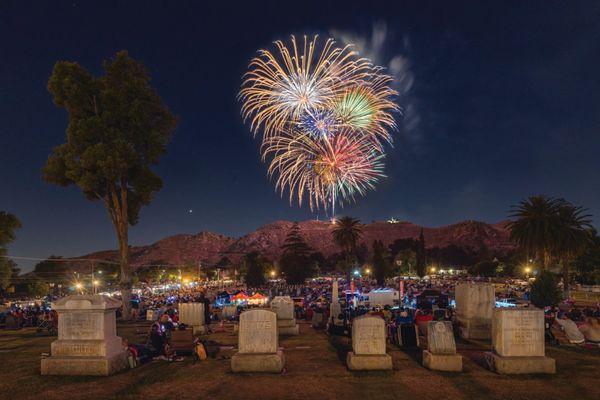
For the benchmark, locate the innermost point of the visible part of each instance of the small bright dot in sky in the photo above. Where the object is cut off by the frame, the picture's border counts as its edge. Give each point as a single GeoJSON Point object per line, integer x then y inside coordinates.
{"type": "Point", "coordinates": [190, 211]}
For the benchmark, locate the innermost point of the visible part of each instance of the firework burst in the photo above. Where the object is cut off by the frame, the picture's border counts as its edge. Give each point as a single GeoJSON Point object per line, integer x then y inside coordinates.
{"type": "Point", "coordinates": [323, 170]}
{"type": "Point", "coordinates": [281, 86]}
{"type": "Point", "coordinates": [324, 114]}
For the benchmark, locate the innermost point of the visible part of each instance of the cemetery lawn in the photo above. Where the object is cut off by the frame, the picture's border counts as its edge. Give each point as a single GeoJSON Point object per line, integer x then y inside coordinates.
{"type": "Point", "coordinates": [315, 369]}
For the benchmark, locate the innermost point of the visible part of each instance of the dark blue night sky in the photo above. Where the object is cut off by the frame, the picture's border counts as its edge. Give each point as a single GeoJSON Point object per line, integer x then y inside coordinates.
{"type": "Point", "coordinates": [502, 101]}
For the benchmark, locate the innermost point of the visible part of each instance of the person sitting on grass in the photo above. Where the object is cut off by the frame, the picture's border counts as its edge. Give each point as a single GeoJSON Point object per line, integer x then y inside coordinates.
{"type": "Point", "coordinates": [157, 342]}
{"type": "Point", "coordinates": [570, 328]}
{"type": "Point", "coordinates": [591, 330]}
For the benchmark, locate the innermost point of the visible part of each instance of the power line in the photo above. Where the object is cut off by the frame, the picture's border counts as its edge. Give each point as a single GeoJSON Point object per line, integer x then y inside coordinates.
{"type": "Point", "coordinates": [98, 260]}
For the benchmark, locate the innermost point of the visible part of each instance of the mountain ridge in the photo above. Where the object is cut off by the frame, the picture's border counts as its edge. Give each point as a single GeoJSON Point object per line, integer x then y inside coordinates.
{"type": "Point", "coordinates": [209, 247]}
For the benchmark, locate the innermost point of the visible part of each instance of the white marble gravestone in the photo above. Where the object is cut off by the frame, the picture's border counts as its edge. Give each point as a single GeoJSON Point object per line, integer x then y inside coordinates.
{"type": "Point", "coordinates": [368, 345]}
{"type": "Point", "coordinates": [518, 342]}
{"type": "Point", "coordinates": [87, 338]}
{"type": "Point", "coordinates": [335, 307]}
{"type": "Point", "coordinates": [192, 314]}
{"type": "Point", "coordinates": [335, 292]}
{"type": "Point", "coordinates": [474, 307]}
{"type": "Point", "coordinates": [441, 348]}
{"type": "Point", "coordinates": [257, 343]}
{"type": "Point", "coordinates": [283, 306]}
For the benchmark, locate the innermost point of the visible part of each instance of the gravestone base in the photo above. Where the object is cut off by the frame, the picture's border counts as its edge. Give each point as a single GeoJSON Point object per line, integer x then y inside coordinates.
{"type": "Point", "coordinates": [287, 327]}
{"type": "Point", "coordinates": [442, 362]}
{"type": "Point", "coordinates": [98, 366]}
{"type": "Point", "coordinates": [199, 329]}
{"type": "Point", "coordinates": [247, 362]}
{"type": "Point", "coordinates": [471, 328]}
{"type": "Point", "coordinates": [521, 365]}
{"type": "Point", "coordinates": [373, 362]}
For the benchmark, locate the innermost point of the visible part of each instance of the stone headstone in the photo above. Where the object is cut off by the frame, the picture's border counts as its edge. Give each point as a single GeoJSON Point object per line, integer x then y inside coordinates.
{"type": "Point", "coordinates": [87, 337]}
{"type": "Point", "coordinates": [474, 307]}
{"type": "Point", "coordinates": [440, 337]}
{"type": "Point", "coordinates": [441, 348]}
{"type": "Point", "coordinates": [334, 312]}
{"type": "Point", "coordinates": [518, 332]}
{"type": "Point", "coordinates": [368, 345]}
{"type": "Point", "coordinates": [335, 292]}
{"type": "Point", "coordinates": [368, 335]}
{"type": "Point", "coordinates": [283, 306]}
{"type": "Point", "coordinates": [257, 343]}
{"type": "Point", "coordinates": [518, 342]}
{"type": "Point", "coordinates": [317, 319]}
{"type": "Point", "coordinates": [192, 314]}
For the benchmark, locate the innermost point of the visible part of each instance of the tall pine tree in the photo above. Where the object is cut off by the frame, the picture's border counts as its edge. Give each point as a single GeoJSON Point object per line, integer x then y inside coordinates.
{"type": "Point", "coordinates": [421, 266]}
{"type": "Point", "coordinates": [295, 262]}
{"type": "Point", "coordinates": [381, 262]}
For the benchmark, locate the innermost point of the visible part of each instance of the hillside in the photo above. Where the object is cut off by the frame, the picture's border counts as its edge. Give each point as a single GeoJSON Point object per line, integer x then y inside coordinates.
{"type": "Point", "coordinates": [209, 247]}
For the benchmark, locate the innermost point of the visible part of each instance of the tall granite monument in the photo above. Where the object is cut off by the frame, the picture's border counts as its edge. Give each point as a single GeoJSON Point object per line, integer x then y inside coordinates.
{"type": "Point", "coordinates": [474, 307]}
{"type": "Point", "coordinates": [518, 342]}
{"type": "Point", "coordinates": [192, 314]}
{"type": "Point", "coordinates": [87, 338]}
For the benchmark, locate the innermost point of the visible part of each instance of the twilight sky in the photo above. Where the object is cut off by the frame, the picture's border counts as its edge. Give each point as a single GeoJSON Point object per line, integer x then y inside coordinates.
{"type": "Point", "coordinates": [501, 100]}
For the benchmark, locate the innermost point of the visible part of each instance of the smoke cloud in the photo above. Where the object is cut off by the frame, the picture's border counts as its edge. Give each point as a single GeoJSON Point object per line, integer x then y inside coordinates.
{"type": "Point", "coordinates": [386, 50]}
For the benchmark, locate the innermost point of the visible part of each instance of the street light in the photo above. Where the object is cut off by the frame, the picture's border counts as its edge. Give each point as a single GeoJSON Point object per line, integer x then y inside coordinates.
{"type": "Point", "coordinates": [368, 271]}
{"type": "Point", "coordinates": [432, 269]}
{"type": "Point", "coordinates": [273, 274]}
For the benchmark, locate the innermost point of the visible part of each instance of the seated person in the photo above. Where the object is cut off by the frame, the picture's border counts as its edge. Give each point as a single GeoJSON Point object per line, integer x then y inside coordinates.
{"type": "Point", "coordinates": [591, 330]}
{"type": "Point", "coordinates": [404, 318]}
{"type": "Point", "coordinates": [423, 316]}
{"type": "Point", "coordinates": [166, 325]}
{"type": "Point", "coordinates": [157, 342]}
{"type": "Point", "coordinates": [570, 328]}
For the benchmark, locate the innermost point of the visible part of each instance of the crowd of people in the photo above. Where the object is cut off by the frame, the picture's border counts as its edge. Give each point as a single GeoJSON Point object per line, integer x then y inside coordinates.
{"type": "Point", "coordinates": [566, 323]}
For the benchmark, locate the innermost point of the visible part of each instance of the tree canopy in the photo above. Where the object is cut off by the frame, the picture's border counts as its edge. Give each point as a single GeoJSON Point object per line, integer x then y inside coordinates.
{"type": "Point", "coordinates": [381, 263]}
{"type": "Point", "coordinates": [118, 129]}
{"type": "Point", "coordinates": [553, 230]}
{"type": "Point", "coordinates": [8, 225]}
{"type": "Point", "coordinates": [295, 262]}
{"type": "Point", "coordinates": [52, 270]}
{"type": "Point", "coordinates": [255, 267]}
{"type": "Point", "coordinates": [346, 233]}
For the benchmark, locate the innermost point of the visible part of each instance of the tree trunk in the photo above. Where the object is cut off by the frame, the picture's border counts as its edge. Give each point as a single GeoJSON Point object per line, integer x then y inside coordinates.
{"type": "Point", "coordinates": [117, 208]}
{"type": "Point", "coordinates": [565, 276]}
{"type": "Point", "coordinates": [125, 271]}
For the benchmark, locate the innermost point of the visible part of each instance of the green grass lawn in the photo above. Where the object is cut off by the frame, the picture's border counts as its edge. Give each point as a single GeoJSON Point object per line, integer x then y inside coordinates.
{"type": "Point", "coordinates": [315, 369]}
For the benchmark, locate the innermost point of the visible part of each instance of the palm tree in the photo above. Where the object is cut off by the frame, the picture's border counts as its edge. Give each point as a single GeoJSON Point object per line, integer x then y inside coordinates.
{"type": "Point", "coordinates": [346, 233]}
{"type": "Point", "coordinates": [535, 227]}
{"type": "Point", "coordinates": [552, 229]}
{"type": "Point", "coordinates": [575, 234]}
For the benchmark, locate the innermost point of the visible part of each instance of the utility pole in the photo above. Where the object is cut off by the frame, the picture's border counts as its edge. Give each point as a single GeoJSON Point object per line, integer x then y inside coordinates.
{"type": "Point", "coordinates": [93, 280]}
